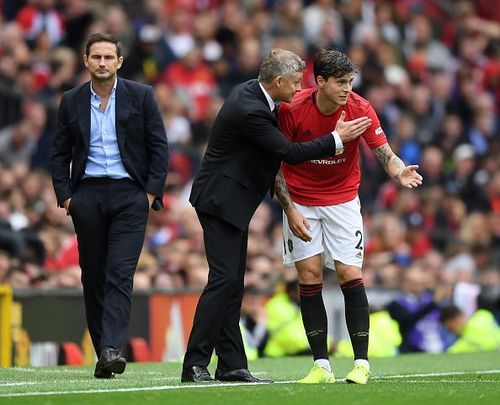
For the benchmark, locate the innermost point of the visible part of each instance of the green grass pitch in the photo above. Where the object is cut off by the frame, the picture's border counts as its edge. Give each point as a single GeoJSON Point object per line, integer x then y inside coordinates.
{"type": "Point", "coordinates": [410, 379]}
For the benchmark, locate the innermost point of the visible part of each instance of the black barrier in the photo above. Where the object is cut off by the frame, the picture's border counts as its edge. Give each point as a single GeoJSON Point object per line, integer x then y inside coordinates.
{"type": "Point", "coordinates": [49, 318]}
{"type": "Point", "coordinates": [59, 315]}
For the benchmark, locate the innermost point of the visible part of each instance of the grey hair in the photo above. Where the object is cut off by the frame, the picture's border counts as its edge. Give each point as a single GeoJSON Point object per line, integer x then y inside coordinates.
{"type": "Point", "coordinates": [280, 62]}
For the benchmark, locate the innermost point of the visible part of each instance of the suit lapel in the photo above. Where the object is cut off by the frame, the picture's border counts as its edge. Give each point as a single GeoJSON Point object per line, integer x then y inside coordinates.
{"type": "Point", "coordinates": [83, 107]}
{"type": "Point", "coordinates": [258, 91]}
{"type": "Point", "coordinates": [123, 101]}
{"type": "Point", "coordinates": [262, 97]}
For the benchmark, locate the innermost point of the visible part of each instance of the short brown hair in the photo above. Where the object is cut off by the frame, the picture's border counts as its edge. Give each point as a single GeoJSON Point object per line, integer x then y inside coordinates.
{"type": "Point", "coordinates": [98, 37]}
{"type": "Point", "coordinates": [331, 63]}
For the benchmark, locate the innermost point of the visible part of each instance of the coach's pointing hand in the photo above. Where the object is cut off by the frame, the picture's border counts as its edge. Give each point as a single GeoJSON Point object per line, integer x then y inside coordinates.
{"type": "Point", "coordinates": [349, 130]}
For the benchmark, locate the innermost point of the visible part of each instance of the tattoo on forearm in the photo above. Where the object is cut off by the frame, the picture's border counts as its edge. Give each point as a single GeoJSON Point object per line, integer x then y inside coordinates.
{"type": "Point", "coordinates": [398, 164]}
{"type": "Point", "coordinates": [383, 154]}
{"type": "Point", "coordinates": [389, 161]}
{"type": "Point", "coordinates": [281, 191]}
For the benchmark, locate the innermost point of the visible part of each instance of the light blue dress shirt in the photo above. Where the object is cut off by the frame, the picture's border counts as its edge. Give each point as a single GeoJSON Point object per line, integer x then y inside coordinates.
{"type": "Point", "coordinates": [104, 158]}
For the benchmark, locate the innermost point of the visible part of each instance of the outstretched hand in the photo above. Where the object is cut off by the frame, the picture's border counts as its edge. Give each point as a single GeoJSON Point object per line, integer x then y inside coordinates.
{"type": "Point", "coordinates": [409, 177]}
{"type": "Point", "coordinates": [349, 130]}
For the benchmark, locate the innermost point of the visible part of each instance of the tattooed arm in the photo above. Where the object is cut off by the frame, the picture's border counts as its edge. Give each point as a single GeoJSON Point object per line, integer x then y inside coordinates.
{"type": "Point", "coordinates": [297, 222]}
{"type": "Point", "coordinates": [392, 164]}
{"type": "Point", "coordinates": [407, 176]}
{"type": "Point", "coordinates": [281, 191]}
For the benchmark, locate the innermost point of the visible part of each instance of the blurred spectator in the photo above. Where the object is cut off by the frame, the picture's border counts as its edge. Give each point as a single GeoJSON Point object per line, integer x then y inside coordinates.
{"type": "Point", "coordinates": [253, 323]}
{"type": "Point", "coordinates": [477, 334]}
{"type": "Point", "coordinates": [246, 66]}
{"type": "Point", "coordinates": [385, 338]}
{"type": "Point", "coordinates": [323, 26]}
{"type": "Point", "coordinates": [424, 52]}
{"type": "Point", "coordinates": [287, 19]}
{"type": "Point", "coordinates": [192, 81]}
{"type": "Point", "coordinates": [286, 331]}
{"type": "Point", "coordinates": [78, 17]}
{"type": "Point", "coordinates": [40, 17]}
{"type": "Point", "coordinates": [19, 141]}
{"type": "Point", "coordinates": [417, 312]}
{"type": "Point", "coordinates": [144, 65]}
{"type": "Point", "coordinates": [432, 167]}
{"type": "Point", "coordinates": [176, 123]}
{"type": "Point", "coordinates": [462, 180]}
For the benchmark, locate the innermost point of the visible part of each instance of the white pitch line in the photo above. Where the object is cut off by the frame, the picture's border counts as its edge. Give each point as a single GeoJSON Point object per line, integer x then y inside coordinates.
{"type": "Point", "coordinates": [435, 374]}
{"type": "Point", "coordinates": [133, 389]}
{"type": "Point", "coordinates": [451, 381]}
{"type": "Point", "coordinates": [50, 371]}
{"type": "Point", "coordinates": [12, 384]}
{"type": "Point", "coordinates": [218, 385]}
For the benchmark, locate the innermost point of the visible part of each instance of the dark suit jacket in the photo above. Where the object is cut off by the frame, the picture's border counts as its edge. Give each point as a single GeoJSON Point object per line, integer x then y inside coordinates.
{"type": "Point", "coordinates": [244, 155]}
{"type": "Point", "coordinates": [140, 133]}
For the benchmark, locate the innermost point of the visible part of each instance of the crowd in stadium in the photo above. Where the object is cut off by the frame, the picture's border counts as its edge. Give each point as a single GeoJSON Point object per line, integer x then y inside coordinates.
{"type": "Point", "coordinates": [431, 70]}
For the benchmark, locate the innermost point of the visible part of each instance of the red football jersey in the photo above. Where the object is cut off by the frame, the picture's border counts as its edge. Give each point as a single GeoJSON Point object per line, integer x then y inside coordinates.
{"type": "Point", "coordinates": [334, 179]}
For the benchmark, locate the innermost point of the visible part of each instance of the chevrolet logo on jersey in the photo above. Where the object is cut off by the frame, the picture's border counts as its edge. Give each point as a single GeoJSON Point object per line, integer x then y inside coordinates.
{"type": "Point", "coordinates": [330, 161]}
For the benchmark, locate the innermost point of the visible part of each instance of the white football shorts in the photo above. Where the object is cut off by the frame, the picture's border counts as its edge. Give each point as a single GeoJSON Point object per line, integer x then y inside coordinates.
{"type": "Point", "coordinates": [337, 233]}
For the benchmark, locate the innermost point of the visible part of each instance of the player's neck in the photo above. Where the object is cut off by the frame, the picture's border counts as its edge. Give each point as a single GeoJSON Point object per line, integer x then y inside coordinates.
{"type": "Point", "coordinates": [325, 106]}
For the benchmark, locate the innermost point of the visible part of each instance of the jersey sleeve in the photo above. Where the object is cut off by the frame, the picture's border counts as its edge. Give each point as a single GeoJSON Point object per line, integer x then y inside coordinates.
{"type": "Point", "coordinates": [286, 121]}
{"type": "Point", "coordinates": [375, 135]}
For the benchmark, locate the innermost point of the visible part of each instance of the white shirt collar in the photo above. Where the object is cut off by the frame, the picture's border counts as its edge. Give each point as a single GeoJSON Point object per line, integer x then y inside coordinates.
{"type": "Point", "coordinates": [270, 101]}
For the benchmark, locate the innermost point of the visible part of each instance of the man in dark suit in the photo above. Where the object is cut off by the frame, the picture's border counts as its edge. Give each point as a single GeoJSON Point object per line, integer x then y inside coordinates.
{"type": "Point", "coordinates": [240, 164]}
{"type": "Point", "coordinates": [109, 162]}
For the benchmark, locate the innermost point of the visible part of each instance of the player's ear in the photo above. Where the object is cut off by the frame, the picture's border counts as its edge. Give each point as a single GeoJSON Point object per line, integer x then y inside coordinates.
{"type": "Point", "coordinates": [320, 80]}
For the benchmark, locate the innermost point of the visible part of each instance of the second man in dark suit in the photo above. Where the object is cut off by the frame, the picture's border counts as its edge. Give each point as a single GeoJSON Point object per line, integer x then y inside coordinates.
{"type": "Point", "coordinates": [109, 162]}
{"type": "Point", "coordinates": [242, 159]}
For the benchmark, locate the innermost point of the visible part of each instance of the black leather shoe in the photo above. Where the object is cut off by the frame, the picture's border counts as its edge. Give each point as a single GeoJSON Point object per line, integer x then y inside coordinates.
{"type": "Point", "coordinates": [110, 361]}
{"type": "Point", "coordinates": [196, 374]}
{"type": "Point", "coordinates": [241, 375]}
{"type": "Point", "coordinates": [101, 373]}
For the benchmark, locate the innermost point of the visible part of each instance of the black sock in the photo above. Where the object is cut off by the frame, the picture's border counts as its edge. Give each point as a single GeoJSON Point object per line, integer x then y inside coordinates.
{"type": "Point", "coordinates": [357, 316]}
{"type": "Point", "coordinates": [314, 319]}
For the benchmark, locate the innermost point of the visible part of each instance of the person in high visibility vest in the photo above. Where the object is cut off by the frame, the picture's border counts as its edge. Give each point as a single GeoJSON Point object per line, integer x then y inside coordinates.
{"type": "Point", "coordinates": [479, 333]}
{"type": "Point", "coordinates": [284, 322]}
{"type": "Point", "coordinates": [384, 338]}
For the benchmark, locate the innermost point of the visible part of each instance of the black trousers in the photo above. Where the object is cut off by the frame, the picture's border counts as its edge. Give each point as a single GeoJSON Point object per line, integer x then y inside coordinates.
{"type": "Point", "coordinates": [110, 218]}
{"type": "Point", "coordinates": [217, 316]}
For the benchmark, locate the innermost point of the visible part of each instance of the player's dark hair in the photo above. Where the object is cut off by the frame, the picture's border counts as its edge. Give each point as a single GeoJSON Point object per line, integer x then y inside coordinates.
{"type": "Point", "coordinates": [449, 312]}
{"type": "Point", "coordinates": [331, 63]}
{"type": "Point", "coordinates": [98, 37]}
